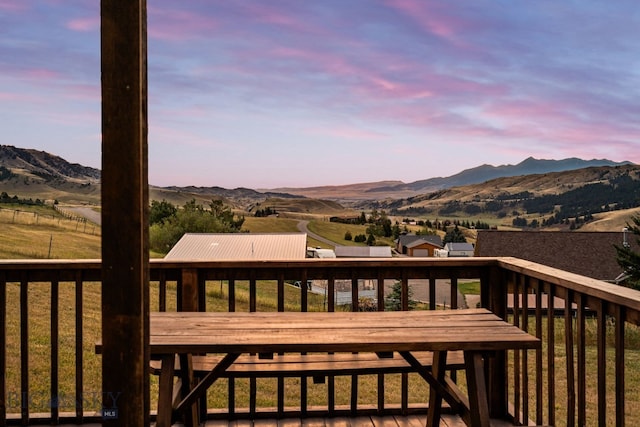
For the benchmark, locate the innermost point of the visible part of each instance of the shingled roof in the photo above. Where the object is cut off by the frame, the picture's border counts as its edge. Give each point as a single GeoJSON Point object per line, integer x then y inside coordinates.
{"type": "Point", "coordinates": [590, 254]}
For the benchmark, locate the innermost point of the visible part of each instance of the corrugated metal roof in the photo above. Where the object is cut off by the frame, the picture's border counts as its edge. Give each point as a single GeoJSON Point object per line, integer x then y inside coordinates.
{"type": "Point", "coordinates": [459, 246]}
{"type": "Point", "coordinates": [239, 246]}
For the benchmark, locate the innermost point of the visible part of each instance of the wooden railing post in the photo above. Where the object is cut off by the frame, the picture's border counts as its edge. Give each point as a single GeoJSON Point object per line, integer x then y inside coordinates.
{"type": "Point", "coordinates": [189, 290]}
{"type": "Point", "coordinates": [125, 207]}
{"type": "Point", "coordinates": [495, 297]}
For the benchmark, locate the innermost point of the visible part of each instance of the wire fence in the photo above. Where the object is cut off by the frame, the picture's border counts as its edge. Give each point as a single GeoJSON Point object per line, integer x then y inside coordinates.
{"type": "Point", "coordinates": [62, 219]}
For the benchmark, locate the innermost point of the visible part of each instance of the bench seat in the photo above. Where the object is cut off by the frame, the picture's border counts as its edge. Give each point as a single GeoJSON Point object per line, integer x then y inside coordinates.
{"type": "Point", "coordinates": [313, 365]}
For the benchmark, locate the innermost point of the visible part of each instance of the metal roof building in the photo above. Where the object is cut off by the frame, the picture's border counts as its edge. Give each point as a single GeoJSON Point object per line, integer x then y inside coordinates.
{"type": "Point", "coordinates": [239, 246]}
{"type": "Point", "coordinates": [363, 251]}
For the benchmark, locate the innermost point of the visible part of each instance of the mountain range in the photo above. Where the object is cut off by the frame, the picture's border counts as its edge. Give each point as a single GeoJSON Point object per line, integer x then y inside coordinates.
{"type": "Point", "coordinates": [31, 172]}
{"type": "Point", "coordinates": [477, 175]}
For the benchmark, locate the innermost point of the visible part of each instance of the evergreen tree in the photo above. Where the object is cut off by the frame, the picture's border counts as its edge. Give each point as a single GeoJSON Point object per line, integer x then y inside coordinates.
{"type": "Point", "coordinates": [393, 301]}
{"type": "Point", "coordinates": [454, 236]}
{"type": "Point", "coordinates": [628, 259]}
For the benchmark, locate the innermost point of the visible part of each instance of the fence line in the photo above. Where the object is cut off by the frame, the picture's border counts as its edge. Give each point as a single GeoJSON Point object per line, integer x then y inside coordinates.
{"type": "Point", "coordinates": [66, 220]}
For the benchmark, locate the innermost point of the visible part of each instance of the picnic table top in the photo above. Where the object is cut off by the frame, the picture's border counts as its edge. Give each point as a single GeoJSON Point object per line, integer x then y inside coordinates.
{"type": "Point", "coordinates": [440, 330]}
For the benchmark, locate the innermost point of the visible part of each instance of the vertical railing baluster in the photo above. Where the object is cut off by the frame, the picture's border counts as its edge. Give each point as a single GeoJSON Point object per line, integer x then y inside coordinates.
{"type": "Point", "coordinates": [453, 297]}
{"type": "Point", "coordinates": [24, 348]}
{"type": "Point", "coordinates": [79, 348]}
{"type": "Point", "coordinates": [551, 354]}
{"type": "Point", "coordinates": [404, 293]}
{"type": "Point", "coordinates": [569, 358]}
{"type": "Point", "coordinates": [525, 354]}
{"type": "Point", "coordinates": [331, 380]}
{"type": "Point", "coordinates": [380, 291]}
{"type": "Point", "coordinates": [162, 291]}
{"type": "Point", "coordinates": [304, 292]}
{"type": "Point", "coordinates": [581, 359]}
{"type": "Point", "coordinates": [3, 348]}
{"type": "Point", "coordinates": [620, 370]}
{"type": "Point", "coordinates": [54, 330]}
{"type": "Point", "coordinates": [381, 376]}
{"type": "Point", "coordinates": [231, 384]}
{"type": "Point", "coordinates": [539, 401]}
{"type": "Point", "coordinates": [202, 293]}
{"type": "Point", "coordinates": [331, 294]}
{"type": "Point", "coordinates": [432, 294]}
{"type": "Point", "coordinates": [280, 306]}
{"type": "Point", "coordinates": [602, 362]}
{"type": "Point", "coordinates": [252, 293]}
{"type": "Point", "coordinates": [280, 291]}
{"type": "Point", "coordinates": [516, 354]}
{"type": "Point", "coordinates": [355, 306]}
{"type": "Point", "coordinates": [232, 295]}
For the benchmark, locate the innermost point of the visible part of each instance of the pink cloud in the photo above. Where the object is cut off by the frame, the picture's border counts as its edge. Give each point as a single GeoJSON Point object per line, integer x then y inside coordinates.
{"type": "Point", "coordinates": [41, 74]}
{"type": "Point", "coordinates": [84, 24]}
{"type": "Point", "coordinates": [432, 17]}
{"type": "Point", "coordinates": [178, 25]}
{"type": "Point", "coordinates": [13, 5]}
{"type": "Point", "coordinates": [12, 97]}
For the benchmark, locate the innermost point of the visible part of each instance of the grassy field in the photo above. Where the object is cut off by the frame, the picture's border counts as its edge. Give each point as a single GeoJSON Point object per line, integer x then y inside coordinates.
{"type": "Point", "coordinates": [40, 232]}
{"type": "Point", "coordinates": [335, 232]}
{"type": "Point", "coordinates": [270, 225]}
{"type": "Point", "coordinates": [26, 238]}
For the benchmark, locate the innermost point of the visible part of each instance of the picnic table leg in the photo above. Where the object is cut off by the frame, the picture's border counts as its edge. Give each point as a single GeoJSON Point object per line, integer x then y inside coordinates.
{"type": "Point", "coordinates": [165, 393]}
{"type": "Point", "coordinates": [435, 397]}
{"type": "Point", "coordinates": [188, 383]}
{"type": "Point", "coordinates": [478, 402]}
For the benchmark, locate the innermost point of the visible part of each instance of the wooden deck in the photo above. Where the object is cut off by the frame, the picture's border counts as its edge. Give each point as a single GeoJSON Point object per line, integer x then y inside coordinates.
{"type": "Point", "coordinates": [390, 421]}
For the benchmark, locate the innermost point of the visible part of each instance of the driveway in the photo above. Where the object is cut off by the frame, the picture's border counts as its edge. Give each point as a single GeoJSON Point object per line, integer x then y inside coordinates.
{"type": "Point", "coordinates": [302, 226]}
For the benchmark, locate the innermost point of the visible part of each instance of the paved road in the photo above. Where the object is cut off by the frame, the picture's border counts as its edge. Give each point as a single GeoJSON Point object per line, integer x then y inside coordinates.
{"type": "Point", "coordinates": [302, 226]}
{"type": "Point", "coordinates": [86, 212]}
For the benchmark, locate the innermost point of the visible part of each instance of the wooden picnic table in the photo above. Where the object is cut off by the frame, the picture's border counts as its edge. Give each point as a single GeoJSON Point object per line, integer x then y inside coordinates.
{"type": "Point", "coordinates": [476, 332]}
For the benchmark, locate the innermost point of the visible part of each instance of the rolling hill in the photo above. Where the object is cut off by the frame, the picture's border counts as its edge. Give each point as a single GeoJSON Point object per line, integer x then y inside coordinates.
{"type": "Point", "coordinates": [486, 190]}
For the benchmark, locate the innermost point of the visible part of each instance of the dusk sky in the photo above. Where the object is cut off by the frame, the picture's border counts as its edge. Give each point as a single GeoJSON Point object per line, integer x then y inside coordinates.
{"type": "Point", "coordinates": [296, 93]}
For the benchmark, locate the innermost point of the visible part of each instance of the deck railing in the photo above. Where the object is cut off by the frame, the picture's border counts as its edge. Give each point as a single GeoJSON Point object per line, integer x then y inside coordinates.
{"type": "Point", "coordinates": [587, 372]}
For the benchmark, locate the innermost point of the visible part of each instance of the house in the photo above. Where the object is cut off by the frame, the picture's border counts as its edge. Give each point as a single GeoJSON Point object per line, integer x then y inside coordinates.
{"type": "Point", "coordinates": [456, 249]}
{"type": "Point", "coordinates": [418, 245]}
{"type": "Point", "coordinates": [589, 253]}
{"type": "Point", "coordinates": [363, 251]}
{"type": "Point", "coordinates": [239, 246]}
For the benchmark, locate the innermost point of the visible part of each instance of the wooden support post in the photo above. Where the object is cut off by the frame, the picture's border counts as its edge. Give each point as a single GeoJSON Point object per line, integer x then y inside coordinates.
{"type": "Point", "coordinates": [189, 290]}
{"type": "Point", "coordinates": [495, 297]}
{"type": "Point", "coordinates": [125, 205]}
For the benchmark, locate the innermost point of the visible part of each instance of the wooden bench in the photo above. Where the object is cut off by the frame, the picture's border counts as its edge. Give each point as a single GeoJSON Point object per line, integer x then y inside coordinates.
{"type": "Point", "coordinates": [317, 366]}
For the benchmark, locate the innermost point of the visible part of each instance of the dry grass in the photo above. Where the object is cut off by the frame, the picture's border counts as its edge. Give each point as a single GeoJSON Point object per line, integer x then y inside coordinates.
{"type": "Point", "coordinates": [35, 233]}
{"type": "Point", "coordinates": [270, 225]}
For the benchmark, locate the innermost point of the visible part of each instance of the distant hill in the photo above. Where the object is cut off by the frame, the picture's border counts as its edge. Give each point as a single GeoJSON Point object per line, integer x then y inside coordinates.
{"type": "Point", "coordinates": [569, 193]}
{"type": "Point", "coordinates": [484, 173]}
{"type": "Point", "coordinates": [477, 175]}
{"type": "Point", "coordinates": [530, 186]}
{"type": "Point", "coordinates": [35, 174]}
{"type": "Point", "coordinates": [44, 165]}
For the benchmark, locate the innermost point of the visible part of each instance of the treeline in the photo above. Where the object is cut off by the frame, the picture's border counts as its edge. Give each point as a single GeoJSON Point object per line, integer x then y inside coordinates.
{"type": "Point", "coordinates": [262, 213]}
{"type": "Point", "coordinates": [15, 200]}
{"type": "Point", "coordinates": [623, 192]}
{"type": "Point", "coordinates": [168, 222]}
